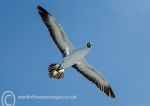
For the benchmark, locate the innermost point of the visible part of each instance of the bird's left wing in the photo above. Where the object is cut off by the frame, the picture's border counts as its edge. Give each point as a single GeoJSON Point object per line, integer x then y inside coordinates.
{"type": "Point", "coordinates": [94, 76]}
{"type": "Point", "coordinates": [56, 31]}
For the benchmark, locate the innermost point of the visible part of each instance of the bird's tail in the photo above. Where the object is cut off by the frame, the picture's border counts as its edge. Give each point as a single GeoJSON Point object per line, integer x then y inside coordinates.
{"type": "Point", "coordinates": [55, 71]}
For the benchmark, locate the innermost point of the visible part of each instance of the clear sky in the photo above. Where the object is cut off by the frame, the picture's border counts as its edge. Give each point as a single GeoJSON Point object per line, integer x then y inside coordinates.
{"type": "Point", "coordinates": [118, 29]}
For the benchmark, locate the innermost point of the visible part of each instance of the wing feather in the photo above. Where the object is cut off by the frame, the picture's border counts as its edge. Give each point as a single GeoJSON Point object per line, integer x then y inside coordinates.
{"type": "Point", "coordinates": [94, 76]}
{"type": "Point", "coordinates": [56, 31]}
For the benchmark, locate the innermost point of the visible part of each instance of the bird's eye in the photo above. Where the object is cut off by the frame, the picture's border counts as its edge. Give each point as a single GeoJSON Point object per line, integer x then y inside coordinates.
{"type": "Point", "coordinates": [89, 45]}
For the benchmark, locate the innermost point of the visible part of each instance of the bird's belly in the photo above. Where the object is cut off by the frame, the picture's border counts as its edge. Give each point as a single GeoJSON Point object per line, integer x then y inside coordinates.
{"type": "Point", "coordinates": [71, 60]}
{"type": "Point", "coordinates": [69, 63]}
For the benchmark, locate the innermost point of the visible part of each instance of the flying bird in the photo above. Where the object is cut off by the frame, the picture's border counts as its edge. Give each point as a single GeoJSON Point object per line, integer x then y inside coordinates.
{"type": "Point", "coordinates": [72, 57]}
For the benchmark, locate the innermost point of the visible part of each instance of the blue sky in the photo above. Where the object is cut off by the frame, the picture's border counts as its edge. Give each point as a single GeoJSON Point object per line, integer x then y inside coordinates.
{"type": "Point", "coordinates": [119, 31]}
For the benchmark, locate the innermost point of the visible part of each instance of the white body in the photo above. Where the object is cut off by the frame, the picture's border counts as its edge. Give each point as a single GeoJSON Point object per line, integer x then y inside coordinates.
{"type": "Point", "coordinates": [74, 57]}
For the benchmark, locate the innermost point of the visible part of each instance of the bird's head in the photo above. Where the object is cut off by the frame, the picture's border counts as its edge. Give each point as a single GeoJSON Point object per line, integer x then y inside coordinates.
{"type": "Point", "coordinates": [89, 45]}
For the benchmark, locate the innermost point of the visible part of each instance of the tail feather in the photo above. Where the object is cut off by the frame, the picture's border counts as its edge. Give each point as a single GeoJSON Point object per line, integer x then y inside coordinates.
{"type": "Point", "coordinates": [55, 71]}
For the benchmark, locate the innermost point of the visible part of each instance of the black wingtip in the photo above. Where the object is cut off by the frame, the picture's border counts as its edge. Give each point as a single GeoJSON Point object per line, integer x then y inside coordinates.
{"type": "Point", "coordinates": [111, 93]}
{"type": "Point", "coordinates": [42, 10]}
{"type": "Point", "coordinates": [108, 91]}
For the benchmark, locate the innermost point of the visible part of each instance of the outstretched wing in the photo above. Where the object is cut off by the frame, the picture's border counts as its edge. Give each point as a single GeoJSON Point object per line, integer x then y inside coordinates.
{"type": "Point", "coordinates": [91, 74]}
{"type": "Point", "coordinates": [56, 31]}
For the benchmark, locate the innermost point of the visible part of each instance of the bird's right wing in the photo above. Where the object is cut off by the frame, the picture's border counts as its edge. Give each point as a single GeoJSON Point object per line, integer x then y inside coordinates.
{"type": "Point", "coordinates": [94, 76]}
{"type": "Point", "coordinates": [56, 31]}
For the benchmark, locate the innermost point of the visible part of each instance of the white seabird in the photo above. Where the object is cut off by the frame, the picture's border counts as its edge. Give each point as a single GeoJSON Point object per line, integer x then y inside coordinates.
{"type": "Point", "coordinates": [72, 57]}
